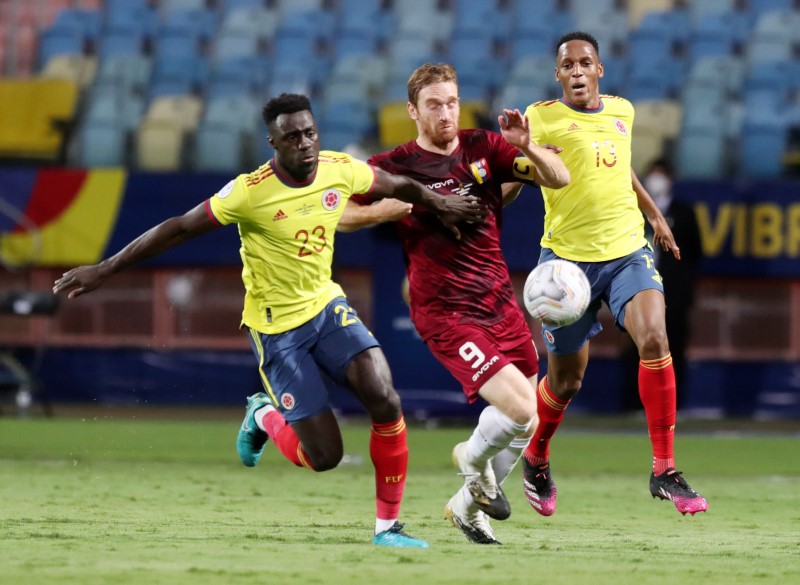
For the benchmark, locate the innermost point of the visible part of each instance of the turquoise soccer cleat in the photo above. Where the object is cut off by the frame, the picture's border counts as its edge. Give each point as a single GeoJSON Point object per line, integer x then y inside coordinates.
{"type": "Point", "coordinates": [251, 440]}
{"type": "Point", "coordinates": [396, 537]}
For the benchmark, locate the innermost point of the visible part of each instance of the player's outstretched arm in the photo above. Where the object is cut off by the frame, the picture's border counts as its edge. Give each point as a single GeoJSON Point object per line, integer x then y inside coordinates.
{"type": "Point", "coordinates": [357, 215]}
{"type": "Point", "coordinates": [450, 209]}
{"type": "Point", "coordinates": [662, 234]}
{"type": "Point", "coordinates": [550, 170]}
{"type": "Point", "coordinates": [153, 242]}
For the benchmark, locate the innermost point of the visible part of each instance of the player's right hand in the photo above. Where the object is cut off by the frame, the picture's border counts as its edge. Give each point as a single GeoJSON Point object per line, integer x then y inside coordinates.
{"type": "Point", "coordinates": [80, 280]}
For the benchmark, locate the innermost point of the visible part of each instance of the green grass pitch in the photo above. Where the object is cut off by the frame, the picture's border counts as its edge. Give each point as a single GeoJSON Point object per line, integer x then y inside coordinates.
{"type": "Point", "coordinates": [126, 501]}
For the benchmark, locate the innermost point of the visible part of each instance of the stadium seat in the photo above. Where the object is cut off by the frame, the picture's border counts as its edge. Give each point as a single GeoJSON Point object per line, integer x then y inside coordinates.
{"type": "Point", "coordinates": [648, 145]}
{"type": "Point", "coordinates": [233, 45]}
{"type": "Point", "coordinates": [759, 7]}
{"type": "Point", "coordinates": [764, 48]}
{"type": "Point", "coordinates": [178, 75]}
{"type": "Point", "coordinates": [700, 8]}
{"type": "Point", "coordinates": [637, 10]}
{"type": "Point", "coordinates": [240, 111]}
{"type": "Point", "coordinates": [174, 45]}
{"type": "Point", "coordinates": [258, 23]}
{"type": "Point", "coordinates": [131, 73]}
{"type": "Point", "coordinates": [62, 41]}
{"type": "Point", "coordinates": [662, 117]}
{"type": "Point", "coordinates": [200, 23]}
{"type": "Point", "coordinates": [171, 6]}
{"type": "Point", "coordinates": [700, 154]}
{"type": "Point", "coordinates": [121, 42]}
{"type": "Point", "coordinates": [33, 115]}
{"type": "Point", "coordinates": [159, 146]}
{"type": "Point", "coordinates": [722, 71]}
{"type": "Point", "coordinates": [79, 69]}
{"type": "Point", "coordinates": [761, 149]}
{"type": "Point", "coordinates": [219, 148]}
{"type": "Point", "coordinates": [101, 144]}
{"type": "Point", "coordinates": [394, 125]}
{"type": "Point", "coordinates": [181, 111]}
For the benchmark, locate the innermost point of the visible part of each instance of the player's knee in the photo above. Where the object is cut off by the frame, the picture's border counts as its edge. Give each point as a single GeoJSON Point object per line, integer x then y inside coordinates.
{"type": "Point", "coordinates": [653, 344]}
{"type": "Point", "coordinates": [384, 405]}
{"type": "Point", "coordinates": [325, 459]}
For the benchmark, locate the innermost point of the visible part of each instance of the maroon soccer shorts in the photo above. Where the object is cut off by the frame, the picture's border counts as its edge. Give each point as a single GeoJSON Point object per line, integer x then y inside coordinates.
{"type": "Point", "coordinates": [474, 353]}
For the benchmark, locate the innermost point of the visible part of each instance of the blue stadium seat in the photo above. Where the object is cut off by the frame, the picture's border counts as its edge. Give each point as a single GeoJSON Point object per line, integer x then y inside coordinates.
{"type": "Point", "coordinates": [171, 6]}
{"type": "Point", "coordinates": [89, 22]}
{"type": "Point", "coordinates": [764, 49]}
{"type": "Point", "coordinates": [354, 43]}
{"type": "Point", "coordinates": [233, 46]}
{"type": "Point", "coordinates": [172, 44]}
{"type": "Point", "coordinates": [523, 46]}
{"type": "Point", "coordinates": [101, 144]}
{"type": "Point", "coordinates": [178, 75]}
{"type": "Point", "coordinates": [122, 42]}
{"type": "Point", "coordinates": [700, 8]}
{"type": "Point", "coordinates": [230, 5]}
{"type": "Point", "coordinates": [350, 114]}
{"type": "Point", "coordinates": [200, 23]}
{"type": "Point", "coordinates": [714, 35]}
{"type": "Point", "coordinates": [700, 154]}
{"type": "Point", "coordinates": [241, 112]}
{"type": "Point", "coordinates": [761, 149]}
{"type": "Point", "coordinates": [661, 25]}
{"type": "Point", "coordinates": [759, 7]}
{"type": "Point", "coordinates": [241, 75]}
{"type": "Point", "coordinates": [219, 148]}
{"type": "Point", "coordinates": [61, 41]}
{"type": "Point", "coordinates": [723, 71]}
{"type": "Point", "coordinates": [256, 23]}
{"type": "Point", "coordinates": [130, 73]}
{"type": "Point", "coordinates": [646, 45]}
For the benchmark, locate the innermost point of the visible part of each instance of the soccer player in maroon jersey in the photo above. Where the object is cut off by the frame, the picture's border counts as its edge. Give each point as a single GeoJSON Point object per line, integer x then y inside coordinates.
{"type": "Point", "coordinates": [461, 297]}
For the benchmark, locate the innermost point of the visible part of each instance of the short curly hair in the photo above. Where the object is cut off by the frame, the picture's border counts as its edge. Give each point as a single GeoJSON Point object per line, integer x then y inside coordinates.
{"type": "Point", "coordinates": [286, 103]}
{"type": "Point", "coordinates": [578, 36]}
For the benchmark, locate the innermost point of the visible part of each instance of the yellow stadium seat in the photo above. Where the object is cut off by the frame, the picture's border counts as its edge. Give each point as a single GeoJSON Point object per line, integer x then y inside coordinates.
{"type": "Point", "coordinates": [33, 115]}
{"type": "Point", "coordinates": [394, 125]}
{"type": "Point", "coordinates": [663, 116]}
{"type": "Point", "coordinates": [79, 69]}
{"type": "Point", "coordinates": [159, 146]}
{"type": "Point", "coordinates": [647, 146]}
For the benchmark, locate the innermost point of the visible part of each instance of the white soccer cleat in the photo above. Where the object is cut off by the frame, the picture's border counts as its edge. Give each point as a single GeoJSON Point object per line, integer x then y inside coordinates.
{"type": "Point", "coordinates": [482, 484]}
{"type": "Point", "coordinates": [470, 520]}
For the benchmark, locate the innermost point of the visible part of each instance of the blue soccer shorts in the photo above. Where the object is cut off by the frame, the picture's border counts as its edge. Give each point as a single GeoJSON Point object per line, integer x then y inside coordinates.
{"type": "Point", "coordinates": [616, 282]}
{"type": "Point", "coordinates": [291, 364]}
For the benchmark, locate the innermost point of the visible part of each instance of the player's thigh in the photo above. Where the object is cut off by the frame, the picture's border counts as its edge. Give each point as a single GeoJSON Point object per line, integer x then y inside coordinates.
{"type": "Point", "coordinates": [349, 353]}
{"type": "Point", "coordinates": [470, 354]}
{"type": "Point", "coordinates": [633, 274]}
{"type": "Point", "coordinates": [289, 374]}
{"type": "Point", "coordinates": [342, 336]}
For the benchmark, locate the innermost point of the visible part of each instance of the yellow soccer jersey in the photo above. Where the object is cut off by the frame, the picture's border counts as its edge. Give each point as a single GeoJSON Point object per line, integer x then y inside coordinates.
{"type": "Point", "coordinates": [596, 217]}
{"type": "Point", "coordinates": [287, 232]}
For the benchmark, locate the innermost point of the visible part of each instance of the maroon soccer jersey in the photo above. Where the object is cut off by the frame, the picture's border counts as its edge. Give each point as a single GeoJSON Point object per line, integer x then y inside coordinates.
{"type": "Point", "coordinates": [456, 281]}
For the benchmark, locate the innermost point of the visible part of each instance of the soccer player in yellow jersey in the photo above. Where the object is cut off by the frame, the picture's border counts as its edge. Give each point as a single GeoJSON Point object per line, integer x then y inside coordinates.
{"type": "Point", "coordinates": [596, 222]}
{"type": "Point", "coordinates": [298, 320]}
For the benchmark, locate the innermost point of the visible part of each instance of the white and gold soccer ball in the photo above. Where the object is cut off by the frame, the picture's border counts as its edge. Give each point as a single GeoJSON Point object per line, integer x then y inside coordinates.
{"type": "Point", "coordinates": [557, 293]}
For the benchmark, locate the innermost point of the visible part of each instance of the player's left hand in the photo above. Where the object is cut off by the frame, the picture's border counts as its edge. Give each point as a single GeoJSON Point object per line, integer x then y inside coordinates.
{"type": "Point", "coordinates": [515, 128]}
{"type": "Point", "coordinates": [456, 209]}
{"type": "Point", "coordinates": [662, 236]}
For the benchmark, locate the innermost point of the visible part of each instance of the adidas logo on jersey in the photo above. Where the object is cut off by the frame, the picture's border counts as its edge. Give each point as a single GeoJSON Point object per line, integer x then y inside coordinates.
{"type": "Point", "coordinates": [279, 215]}
{"type": "Point", "coordinates": [572, 127]}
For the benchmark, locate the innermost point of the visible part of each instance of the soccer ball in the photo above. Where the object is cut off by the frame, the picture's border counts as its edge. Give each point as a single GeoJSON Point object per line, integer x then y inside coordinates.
{"type": "Point", "coordinates": [557, 293]}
